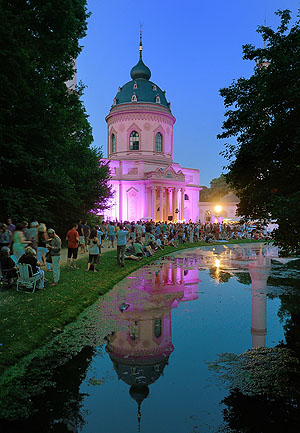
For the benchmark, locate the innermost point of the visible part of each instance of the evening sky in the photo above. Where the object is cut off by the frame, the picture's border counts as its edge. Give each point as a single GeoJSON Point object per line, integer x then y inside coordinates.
{"type": "Point", "coordinates": [193, 48]}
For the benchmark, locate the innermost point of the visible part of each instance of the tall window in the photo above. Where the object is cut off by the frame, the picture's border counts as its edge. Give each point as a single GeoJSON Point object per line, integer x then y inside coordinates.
{"type": "Point", "coordinates": [134, 330]}
{"type": "Point", "coordinates": [157, 328]}
{"type": "Point", "coordinates": [158, 142]}
{"type": "Point", "coordinates": [134, 141]}
{"type": "Point", "coordinates": [113, 143]}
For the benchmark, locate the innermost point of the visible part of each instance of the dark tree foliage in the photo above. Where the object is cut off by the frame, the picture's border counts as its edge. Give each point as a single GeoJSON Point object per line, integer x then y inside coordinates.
{"type": "Point", "coordinates": [48, 169]}
{"type": "Point", "coordinates": [263, 115]}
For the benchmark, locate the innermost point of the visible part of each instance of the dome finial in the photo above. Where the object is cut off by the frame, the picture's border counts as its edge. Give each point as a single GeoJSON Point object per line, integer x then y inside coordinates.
{"type": "Point", "coordinates": [141, 41]}
{"type": "Point", "coordinates": [140, 70]}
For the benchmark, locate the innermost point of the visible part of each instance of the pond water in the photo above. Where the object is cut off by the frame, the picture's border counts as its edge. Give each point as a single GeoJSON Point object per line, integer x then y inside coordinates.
{"type": "Point", "coordinates": [155, 366]}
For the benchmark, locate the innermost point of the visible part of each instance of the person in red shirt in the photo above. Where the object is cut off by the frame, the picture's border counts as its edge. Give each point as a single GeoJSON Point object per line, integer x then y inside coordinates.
{"type": "Point", "coordinates": [73, 241]}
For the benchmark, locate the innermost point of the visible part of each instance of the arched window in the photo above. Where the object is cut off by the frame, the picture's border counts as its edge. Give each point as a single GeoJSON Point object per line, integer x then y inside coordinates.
{"type": "Point", "coordinates": [158, 142]}
{"type": "Point", "coordinates": [135, 86]}
{"type": "Point", "coordinates": [134, 141]}
{"type": "Point", "coordinates": [113, 143]}
{"type": "Point", "coordinates": [157, 328]}
{"type": "Point", "coordinates": [134, 98]}
{"type": "Point", "coordinates": [134, 330]}
{"type": "Point", "coordinates": [157, 99]}
{"type": "Point", "coordinates": [186, 197]}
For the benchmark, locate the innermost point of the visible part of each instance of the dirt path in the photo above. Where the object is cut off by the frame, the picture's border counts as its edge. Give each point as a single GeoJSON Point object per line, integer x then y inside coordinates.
{"type": "Point", "coordinates": [63, 259]}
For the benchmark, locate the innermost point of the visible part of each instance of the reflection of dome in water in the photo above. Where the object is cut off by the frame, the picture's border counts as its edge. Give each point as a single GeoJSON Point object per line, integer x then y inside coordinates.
{"type": "Point", "coordinates": [137, 372]}
{"type": "Point", "coordinates": [139, 392]}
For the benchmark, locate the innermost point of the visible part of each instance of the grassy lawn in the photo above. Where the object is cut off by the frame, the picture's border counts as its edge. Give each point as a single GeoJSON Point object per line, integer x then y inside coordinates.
{"type": "Point", "coordinates": [27, 321]}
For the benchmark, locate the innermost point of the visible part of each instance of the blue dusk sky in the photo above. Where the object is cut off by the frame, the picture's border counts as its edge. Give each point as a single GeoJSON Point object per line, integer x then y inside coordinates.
{"type": "Point", "coordinates": [193, 48]}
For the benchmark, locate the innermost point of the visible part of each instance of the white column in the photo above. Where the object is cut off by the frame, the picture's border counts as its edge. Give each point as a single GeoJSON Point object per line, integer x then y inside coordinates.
{"type": "Point", "coordinates": [120, 216]}
{"type": "Point", "coordinates": [182, 204]}
{"type": "Point", "coordinates": [175, 204]}
{"type": "Point", "coordinates": [153, 211]}
{"type": "Point", "coordinates": [148, 202]}
{"type": "Point", "coordinates": [160, 203]}
{"type": "Point", "coordinates": [166, 204]}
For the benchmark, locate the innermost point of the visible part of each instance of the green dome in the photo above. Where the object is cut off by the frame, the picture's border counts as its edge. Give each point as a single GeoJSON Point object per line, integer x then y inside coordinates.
{"type": "Point", "coordinates": [140, 70]}
{"type": "Point", "coordinates": [139, 91]}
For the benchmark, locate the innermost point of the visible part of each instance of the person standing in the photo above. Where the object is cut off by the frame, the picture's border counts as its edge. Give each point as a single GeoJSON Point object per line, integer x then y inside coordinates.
{"type": "Point", "coordinates": [121, 245]}
{"type": "Point", "coordinates": [99, 236]}
{"type": "Point", "coordinates": [86, 233]}
{"type": "Point", "coordinates": [111, 234]}
{"type": "Point", "coordinates": [54, 246]}
{"type": "Point", "coordinates": [32, 234]}
{"type": "Point", "coordinates": [94, 250]}
{"type": "Point", "coordinates": [5, 236]}
{"type": "Point", "coordinates": [72, 238]}
{"type": "Point", "coordinates": [42, 242]}
{"type": "Point", "coordinates": [10, 226]}
{"type": "Point", "coordinates": [81, 237]}
{"type": "Point", "coordinates": [19, 242]}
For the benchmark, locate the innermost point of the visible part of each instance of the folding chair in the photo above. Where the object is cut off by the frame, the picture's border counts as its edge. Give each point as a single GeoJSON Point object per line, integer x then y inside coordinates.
{"type": "Point", "coordinates": [26, 277]}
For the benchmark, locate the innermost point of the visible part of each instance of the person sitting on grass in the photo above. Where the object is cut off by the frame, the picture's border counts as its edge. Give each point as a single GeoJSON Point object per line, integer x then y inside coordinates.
{"type": "Point", "coordinates": [93, 251]}
{"type": "Point", "coordinates": [159, 242]}
{"type": "Point", "coordinates": [140, 250]}
{"type": "Point", "coordinates": [128, 256]}
{"type": "Point", "coordinates": [172, 241]}
{"type": "Point", "coordinates": [30, 258]}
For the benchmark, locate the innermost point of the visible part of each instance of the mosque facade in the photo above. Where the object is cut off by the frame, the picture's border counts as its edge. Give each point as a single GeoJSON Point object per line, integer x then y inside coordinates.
{"type": "Point", "coordinates": [146, 182]}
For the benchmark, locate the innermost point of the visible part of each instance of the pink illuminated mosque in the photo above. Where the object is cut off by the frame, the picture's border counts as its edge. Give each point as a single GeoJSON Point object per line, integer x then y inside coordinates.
{"type": "Point", "coordinates": [145, 180]}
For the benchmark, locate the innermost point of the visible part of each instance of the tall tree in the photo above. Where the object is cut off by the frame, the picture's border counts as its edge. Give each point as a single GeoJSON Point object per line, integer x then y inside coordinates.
{"type": "Point", "coordinates": [48, 169]}
{"type": "Point", "coordinates": [218, 188]}
{"type": "Point", "coordinates": [262, 122]}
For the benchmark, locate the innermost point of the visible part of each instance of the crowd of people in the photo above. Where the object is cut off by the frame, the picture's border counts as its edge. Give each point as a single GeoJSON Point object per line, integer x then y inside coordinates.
{"type": "Point", "coordinates": [30, 244]}
{"type": "Point", "coordinates": [38, 246]}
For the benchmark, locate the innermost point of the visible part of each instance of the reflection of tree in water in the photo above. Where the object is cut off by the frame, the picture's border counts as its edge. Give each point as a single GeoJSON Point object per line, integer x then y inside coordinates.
{"type": "Point", "coordinates": [265, 389]}
{"type": "Point", "coordinates": [220, 276]}
{"type": "Point", "coordinates": [243, 278]}
{"type": "Point", "coordinates": [61, 400]}
{"type": "Point", "coordinates": [260, 414]}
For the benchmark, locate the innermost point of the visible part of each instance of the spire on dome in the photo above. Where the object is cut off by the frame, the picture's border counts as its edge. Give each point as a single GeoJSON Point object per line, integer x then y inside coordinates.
{"type": "Point", "coordinates": [140, 70]}
{"type": "Point", "coordinates": [141, 42]}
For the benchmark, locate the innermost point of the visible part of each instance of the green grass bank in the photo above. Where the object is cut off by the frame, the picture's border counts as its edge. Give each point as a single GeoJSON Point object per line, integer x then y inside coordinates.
{"type": "Point", "coordinates": [28, 321]}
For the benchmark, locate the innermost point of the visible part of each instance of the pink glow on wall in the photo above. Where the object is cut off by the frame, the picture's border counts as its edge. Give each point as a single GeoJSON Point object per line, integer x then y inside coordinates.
{"type": "Point", "coordinates": [147, 182]}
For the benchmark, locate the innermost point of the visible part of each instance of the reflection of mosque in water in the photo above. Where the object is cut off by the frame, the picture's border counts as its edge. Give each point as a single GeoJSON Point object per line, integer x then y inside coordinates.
{"type": "Point", "coordinates": [258, 263]}
{"type": "Point", "coordinates": [141, 349]}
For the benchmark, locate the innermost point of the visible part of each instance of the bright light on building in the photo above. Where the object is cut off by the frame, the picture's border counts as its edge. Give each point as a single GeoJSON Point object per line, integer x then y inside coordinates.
{"type": "Point", "coordinates": [217, 263]}
{"type": "Point", "coordinates": [218, 208]}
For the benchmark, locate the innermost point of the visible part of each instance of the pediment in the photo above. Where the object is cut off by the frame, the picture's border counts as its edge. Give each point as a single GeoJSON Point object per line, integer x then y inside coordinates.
{"type": "Point", "coordinates": [167, 173]}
